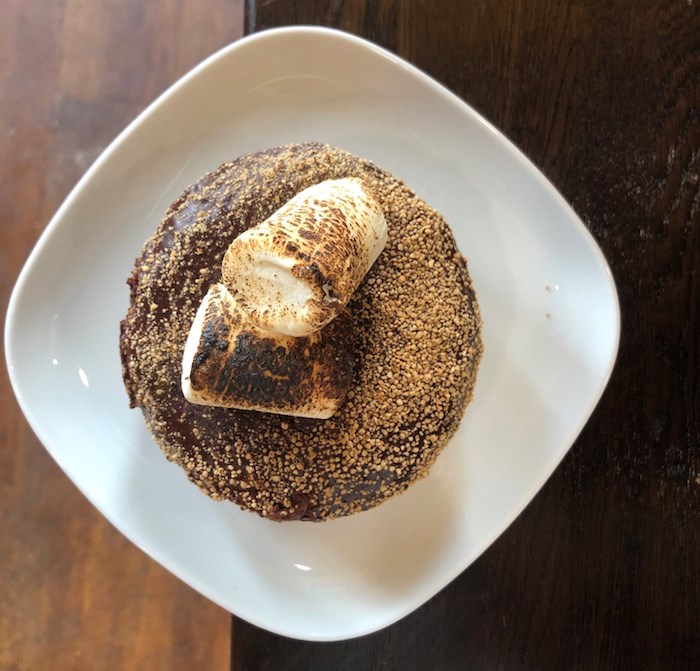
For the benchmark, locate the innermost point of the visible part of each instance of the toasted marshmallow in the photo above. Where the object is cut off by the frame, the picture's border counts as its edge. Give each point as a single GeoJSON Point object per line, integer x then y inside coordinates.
{"type": "Point", "coordinates": [293, 273]}
{"type": "Point", "coordinates": [230, 363]}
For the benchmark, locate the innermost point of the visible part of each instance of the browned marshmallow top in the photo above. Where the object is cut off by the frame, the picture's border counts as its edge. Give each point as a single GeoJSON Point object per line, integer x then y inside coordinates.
{"type": "Point", "coordinates": [295, 271]}
{"type": "Point", "coordinates": [230, 363]}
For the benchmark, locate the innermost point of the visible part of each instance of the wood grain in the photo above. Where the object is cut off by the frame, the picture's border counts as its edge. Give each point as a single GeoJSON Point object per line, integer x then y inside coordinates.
{"type": "Point", "coordinates": [601, 571]}
{"type": "Point", "coordinates": [74, 594]}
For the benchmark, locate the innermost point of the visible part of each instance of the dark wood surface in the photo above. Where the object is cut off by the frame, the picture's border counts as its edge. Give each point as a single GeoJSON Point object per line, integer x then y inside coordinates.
{"type": "Point", "coordinates": [74, 593]}
{"type": "Point", "coordinates": [602, 570]}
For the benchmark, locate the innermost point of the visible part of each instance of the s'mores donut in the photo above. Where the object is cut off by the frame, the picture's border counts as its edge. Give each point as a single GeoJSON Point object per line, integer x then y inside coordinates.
{"type": "Point", "coordinates": [413, 320]}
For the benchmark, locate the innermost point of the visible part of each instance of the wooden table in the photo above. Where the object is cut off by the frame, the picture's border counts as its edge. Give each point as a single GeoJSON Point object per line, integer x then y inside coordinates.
{"type": "Point", "coordinates": [602, 571]}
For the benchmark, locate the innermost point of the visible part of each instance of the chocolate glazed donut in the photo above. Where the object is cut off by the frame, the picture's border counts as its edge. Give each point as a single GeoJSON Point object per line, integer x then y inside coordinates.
{"type": "Point", "coordinates": [417, 346]}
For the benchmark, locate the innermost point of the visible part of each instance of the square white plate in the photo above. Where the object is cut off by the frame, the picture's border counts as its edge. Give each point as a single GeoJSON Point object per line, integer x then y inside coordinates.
{"type": "Point", "coordinates": [551, 329]}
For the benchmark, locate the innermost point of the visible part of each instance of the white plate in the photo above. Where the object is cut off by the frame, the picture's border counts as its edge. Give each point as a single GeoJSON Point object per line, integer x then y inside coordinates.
{"type": "Point", "coordinates": [551, 328]}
